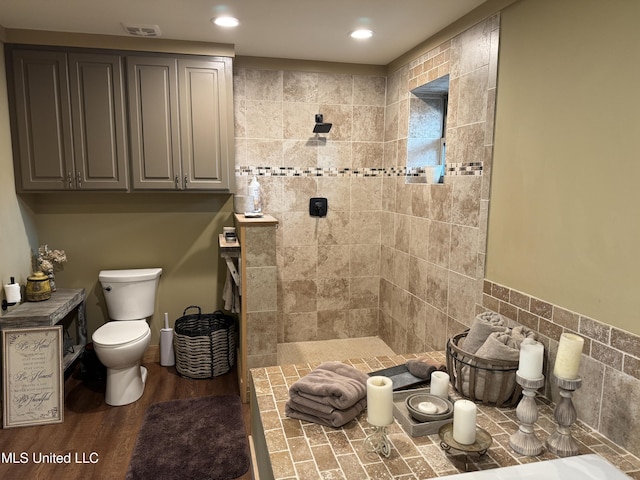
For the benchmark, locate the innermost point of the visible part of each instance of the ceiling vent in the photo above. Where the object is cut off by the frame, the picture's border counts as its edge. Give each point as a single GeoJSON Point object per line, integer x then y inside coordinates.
{"type": "Point", "coordinates": [142, 30]}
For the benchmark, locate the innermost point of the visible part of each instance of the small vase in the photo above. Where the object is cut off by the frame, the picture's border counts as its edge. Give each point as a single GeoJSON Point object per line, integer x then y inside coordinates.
{"type": "Point", "coordinates": [52, 281]}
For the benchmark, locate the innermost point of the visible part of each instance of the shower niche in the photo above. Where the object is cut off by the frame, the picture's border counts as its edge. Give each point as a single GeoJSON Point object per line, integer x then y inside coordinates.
{"type": "Point", "coordinates": [426, 142]}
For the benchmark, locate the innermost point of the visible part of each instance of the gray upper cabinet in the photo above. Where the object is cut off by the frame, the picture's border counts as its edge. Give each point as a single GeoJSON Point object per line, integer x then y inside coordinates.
{"type": "Point", "coordinates": [181, 122]}
{"type": "Point", "coordinates": [99, 121]}
{"type": "Point", "coordinates": [153, 122]}
{"type": "Point", "coordinates": [69, 121]}
{"type": "Point", "coordinates": [42, 120]}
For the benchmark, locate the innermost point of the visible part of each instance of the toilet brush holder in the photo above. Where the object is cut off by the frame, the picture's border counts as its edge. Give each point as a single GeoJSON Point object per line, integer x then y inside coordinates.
{"type": "Point", "coordinates": [167, 356]}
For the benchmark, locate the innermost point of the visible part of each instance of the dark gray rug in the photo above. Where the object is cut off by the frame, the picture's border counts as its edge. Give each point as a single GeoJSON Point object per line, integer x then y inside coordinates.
{"type": "Point", "coordinates": [195, 438]}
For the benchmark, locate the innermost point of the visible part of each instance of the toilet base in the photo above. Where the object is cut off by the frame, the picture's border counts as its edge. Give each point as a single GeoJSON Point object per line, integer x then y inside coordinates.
{"type": "Point", "coordinates": [125, 385]}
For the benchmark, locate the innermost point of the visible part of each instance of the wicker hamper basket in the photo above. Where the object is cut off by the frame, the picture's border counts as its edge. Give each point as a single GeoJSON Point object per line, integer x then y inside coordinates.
{"type": "Point", "coordinates": [490, 382]}
{"type": "Point", "coordinates": [204, 344]}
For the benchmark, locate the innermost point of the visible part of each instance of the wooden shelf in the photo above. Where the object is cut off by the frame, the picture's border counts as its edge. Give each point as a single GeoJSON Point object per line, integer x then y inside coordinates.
{"type": "Point", "coordinates": [48, 313]}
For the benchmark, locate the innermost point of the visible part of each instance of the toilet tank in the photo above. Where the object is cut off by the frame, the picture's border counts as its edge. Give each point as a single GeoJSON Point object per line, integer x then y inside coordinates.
{"type": "Point", "coordinates": [130, 294]}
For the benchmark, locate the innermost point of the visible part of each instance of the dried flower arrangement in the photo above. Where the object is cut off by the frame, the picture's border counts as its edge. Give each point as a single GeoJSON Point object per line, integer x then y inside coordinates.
{"type": "Point", "coordinates": [50, 260]}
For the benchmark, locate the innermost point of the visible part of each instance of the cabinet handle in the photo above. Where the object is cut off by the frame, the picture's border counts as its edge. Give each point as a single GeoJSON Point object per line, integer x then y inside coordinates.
{"type": "Point", "coordinates": [79, 180]}
{"type": "Point", "coordinates": [70, 180]}
{"type": "Point", "coordinates": [177, 182]}
{"type": "Point", "coordinates": [186, 180]}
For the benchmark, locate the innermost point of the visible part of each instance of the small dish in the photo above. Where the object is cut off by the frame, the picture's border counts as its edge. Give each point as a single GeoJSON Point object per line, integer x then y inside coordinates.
{"type": "Point", "coordinates": [433, 408]}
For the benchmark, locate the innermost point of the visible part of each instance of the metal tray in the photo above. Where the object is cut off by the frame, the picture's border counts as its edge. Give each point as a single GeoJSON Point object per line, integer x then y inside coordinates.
{"type": "Point", "coordinates": [401, 377]}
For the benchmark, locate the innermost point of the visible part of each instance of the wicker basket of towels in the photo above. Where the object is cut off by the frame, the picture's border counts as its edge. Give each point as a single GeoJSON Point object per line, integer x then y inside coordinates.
{"type": "Point", "coordinates": [204, 343]}
{"type": "Point", "coordinates": [490, 382]}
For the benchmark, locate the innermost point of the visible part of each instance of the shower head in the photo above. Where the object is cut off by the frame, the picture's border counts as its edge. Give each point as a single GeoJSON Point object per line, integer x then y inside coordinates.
{"type": "Point", "coordinates": [320, 126]}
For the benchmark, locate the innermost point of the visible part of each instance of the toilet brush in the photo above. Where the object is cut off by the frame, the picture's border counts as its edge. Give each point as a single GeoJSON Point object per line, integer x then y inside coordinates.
{"type": "Point", "coordinates": [167, 357]}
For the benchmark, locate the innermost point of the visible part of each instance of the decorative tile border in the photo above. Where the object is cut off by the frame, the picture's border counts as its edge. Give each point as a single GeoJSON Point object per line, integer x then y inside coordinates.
{"type": "Point", "coordinates": [451, 169]}
{"type": "Point", "coordinates": [469, 168]}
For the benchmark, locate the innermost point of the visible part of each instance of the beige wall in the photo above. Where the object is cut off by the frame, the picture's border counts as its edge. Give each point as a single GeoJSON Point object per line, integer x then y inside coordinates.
{"type": "Point", "coordinates": [16, 227]}
{"type": "Point", "coordinates": [178, 232]}
{"type": "Point", "coordinates": [564, 201]}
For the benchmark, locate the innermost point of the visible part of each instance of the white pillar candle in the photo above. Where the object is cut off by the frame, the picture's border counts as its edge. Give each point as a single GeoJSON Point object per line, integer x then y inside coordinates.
{"type": "Point", "coordinates": [531, 358]}
{"type": "Point", "coordinates": [569, 354]}
{"type": "Point", "coordinates": [379, 401]}
{"type": "Point", "coordinates": [464, 422]}
{"type": "Point", "coordinates": [440, 384]}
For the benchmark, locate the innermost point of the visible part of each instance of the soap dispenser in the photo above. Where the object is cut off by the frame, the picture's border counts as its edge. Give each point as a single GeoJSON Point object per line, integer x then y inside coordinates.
{"type": "Point", "coordinates": [255, 197]}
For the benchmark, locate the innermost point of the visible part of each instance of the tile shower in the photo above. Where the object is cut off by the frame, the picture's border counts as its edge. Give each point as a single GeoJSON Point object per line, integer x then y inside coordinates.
{"type": "Point", "coordinates": [385, 246]}
{"type": "Point", "coordinates": [404, 261]}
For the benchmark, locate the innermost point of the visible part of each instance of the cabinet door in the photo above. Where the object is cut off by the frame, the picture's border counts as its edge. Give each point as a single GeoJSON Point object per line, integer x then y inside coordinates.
{"type": "Point", "coordinates": [153, 122]}
{"type": "Point", "coordinates": [98, 114]}
{"type": "Point", "coordinates": [206, 122]}
{"type": "Point", "coordinates": [43, 120]}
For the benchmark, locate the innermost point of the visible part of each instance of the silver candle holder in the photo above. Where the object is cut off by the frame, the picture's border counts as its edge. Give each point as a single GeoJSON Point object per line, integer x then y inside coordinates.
{"type": "Point", "coordinates": [561, 442]}
{"type": "Point", "coordinates": [378, 442]}
{"type": "Point", "coordinates": [525, 441]}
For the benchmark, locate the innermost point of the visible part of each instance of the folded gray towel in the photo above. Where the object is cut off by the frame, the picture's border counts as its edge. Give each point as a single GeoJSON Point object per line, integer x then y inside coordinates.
{"type": "Point", "coordinates": [302, 408]}
{"type": "Point", "coordinates": [332, 383]}
{"type": "Point", "coordinates": [483, 325]}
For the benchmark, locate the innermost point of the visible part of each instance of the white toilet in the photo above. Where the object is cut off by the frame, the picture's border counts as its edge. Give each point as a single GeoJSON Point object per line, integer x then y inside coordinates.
{"type": "Point", "coordinates": [121, 342]}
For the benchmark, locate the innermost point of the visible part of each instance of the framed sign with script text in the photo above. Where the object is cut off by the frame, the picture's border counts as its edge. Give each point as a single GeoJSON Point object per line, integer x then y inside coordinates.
{"type": "Point", "coordinates": [33, 382]}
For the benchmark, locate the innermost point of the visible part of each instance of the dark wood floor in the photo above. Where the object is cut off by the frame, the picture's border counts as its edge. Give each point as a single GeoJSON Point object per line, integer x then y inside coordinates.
{"type": "Point", "coordinates": [94, 429]}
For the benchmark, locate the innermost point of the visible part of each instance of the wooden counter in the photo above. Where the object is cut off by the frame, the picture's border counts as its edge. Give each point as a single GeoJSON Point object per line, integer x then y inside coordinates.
{"type": "Point", "coordinates": [50, 312]}
{"type": "Point", "coordinates": [285, 448]}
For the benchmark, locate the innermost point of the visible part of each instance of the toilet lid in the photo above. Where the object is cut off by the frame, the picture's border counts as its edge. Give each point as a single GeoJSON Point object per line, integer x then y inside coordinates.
{"type": "Point", "coordinates": [120, 332]}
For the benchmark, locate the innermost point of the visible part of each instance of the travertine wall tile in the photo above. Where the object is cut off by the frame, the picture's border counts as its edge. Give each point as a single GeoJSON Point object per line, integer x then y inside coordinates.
{"type": "Point", "coordinates": [464, 252]}
{"type": "Point", "coordinates": [333, 261]}
{"type": "Point", "coordinates": [300, 327]}
{"type": "Point", "coordinates": [620, 420]}
{"type": "Point", "coordinates": [369, 90]}
{"type": "Point", "coordinates": [261, 336]}
{"type": "Point", "coordinates": [299, 296]}
{"type": "Point", "coordinates": [300, 87]}
{"type": "Point", "coordinates": [419, 237]}
{"type": "Point", "coordinates": [364, 261]}
{"type": "Point", "coordinates": [262, 283]}
{"type": "Point", "coordinates": [333, 294]}
{"type": "Point", "coordinates": [263, 85]}
{"type": "Point", "coordinates": [298, 263]}
{"type": "Point", "coordinates": [260, 247]}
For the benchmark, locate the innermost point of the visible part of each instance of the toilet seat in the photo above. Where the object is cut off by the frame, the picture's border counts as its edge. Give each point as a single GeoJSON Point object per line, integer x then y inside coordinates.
{"type": "Point", "coordinates": [120, 333]}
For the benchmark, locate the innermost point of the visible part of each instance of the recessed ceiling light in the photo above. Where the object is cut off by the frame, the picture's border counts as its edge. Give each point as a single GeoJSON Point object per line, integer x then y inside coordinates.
{"type": "Point", "coordinates": [363, 33]}
{"type": "Point", "coordinates": [226, 21]}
